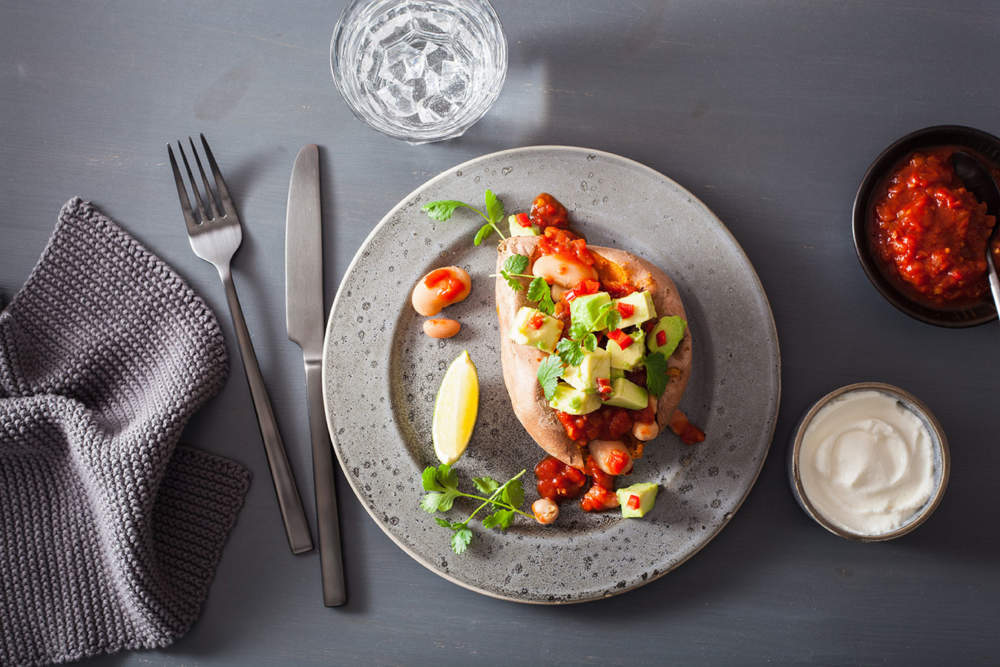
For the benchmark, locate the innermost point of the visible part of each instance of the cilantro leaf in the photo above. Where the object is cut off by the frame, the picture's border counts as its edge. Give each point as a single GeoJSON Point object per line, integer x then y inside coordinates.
{"type": "Point", "coordinates": [611, 316]}
{"type": "Point", "coordinates": [483, 232]}
{"type": "Point", "coordinates": [431, 501]}
{"type": "Point", "coordinates": [656, 373]}
{"type": "Point", "coordinates": [589, 342]}
{"type": "Point", "coordinates": [491, 520]}
{"type": "Point", "coordinates": [579, 330]}
{"type": "Point", "coordinates": [486, 485]}
{"type": "Point", "coordinates": [460, 540]}
{"type": "Point", "coordinates": [548, 374]}
{"type": "Point", "coordinates": [538, 290]}
{"type": "Point", "coordinates": [494, 207]}
{"type": "Point", "coordinates": [444, 523]}
{"type": "Point", "coordinates": [429, 479]}
{"type": "Point", "coordinates": [447, 477]}
{"type": "Point", "coordinates": [442, 210]}
{"type": "Point", "coordinates": [500, 519]}
{"type": "Point", "coordinates": [516, 264]}
{"type": "Point", "coordinates": [513, 493]}
{"type": "Point", "coordinates": [570, 352]}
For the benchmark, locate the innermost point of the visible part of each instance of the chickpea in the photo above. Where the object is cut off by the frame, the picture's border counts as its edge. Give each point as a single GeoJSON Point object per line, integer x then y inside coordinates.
{"type": "Point", "coordinates": [545, 511]}
{"type": "Point", "coordinates": [561, 270]}
{"type": "Point", "coordinates": [557, 292]}
{"type": "Point", "coordinates": [440, 288]}
{"type": "Point", "coordinates": [611, 456]}
{"type": "Point", "coordinates": [643, 431]}
{"type": "Point", "coordinates": [441, 328]}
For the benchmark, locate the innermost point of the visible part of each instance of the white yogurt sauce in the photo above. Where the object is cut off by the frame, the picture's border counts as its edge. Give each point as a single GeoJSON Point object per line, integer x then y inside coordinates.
{"type": "Point", "coordinates": [866, 462]}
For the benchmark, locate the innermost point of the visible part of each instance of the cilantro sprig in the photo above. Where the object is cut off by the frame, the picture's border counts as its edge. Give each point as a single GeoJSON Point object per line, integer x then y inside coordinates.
{"type": "Point", "coordinates": [443, 209]}
{"type": "Point", "coordinates": [441, 485]}
{"type": "Point", "coordinates": [548, 374]}
{"type": "Point", "coordinates": [514, 267]}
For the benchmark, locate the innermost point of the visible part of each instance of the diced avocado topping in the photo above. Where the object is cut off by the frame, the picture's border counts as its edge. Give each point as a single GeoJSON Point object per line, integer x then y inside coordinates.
{"type": "Point", "coordinates": [516, 229]}
{"type": "Point", "coordinates": [628, 395]}
{"type": "Point", "coordinates": [639, 304]}
{"type": "Point", "coordinates": [589, 312]}
{"type": "Point", "coordinates": [637, 500]}
{"type": "Point", "coordinates": [535, 328]}
{"type": "Point", "coordinates": [630, 357]}
{"type": "Point", "coordinates": [616, 373]}
{"type": "Point", "coordinates": [666, 335]}
{"type": "Point", "coordinates": [575, 402]}
{"type": "Point", "coordinates": [596, 364]}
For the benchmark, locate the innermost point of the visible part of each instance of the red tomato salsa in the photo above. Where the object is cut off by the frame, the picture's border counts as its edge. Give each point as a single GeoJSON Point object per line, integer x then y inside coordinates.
{"type": "Point", "coordinates": [931, 233]}
{"type": "Point", "coordinates": [546, 211]}
{"type": "Point", "coordinates": [448, 284]}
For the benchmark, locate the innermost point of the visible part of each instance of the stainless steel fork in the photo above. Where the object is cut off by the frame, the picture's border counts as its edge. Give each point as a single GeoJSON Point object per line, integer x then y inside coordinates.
{"type": "Point", "coordinates": [215, 238]}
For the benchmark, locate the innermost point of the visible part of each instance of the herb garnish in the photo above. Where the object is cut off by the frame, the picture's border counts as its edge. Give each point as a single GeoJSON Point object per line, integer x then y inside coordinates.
{"type": "Point", "coordinates": [441, 484]}
{"type": "Point", "coordinates": [538, 290]}
{"type": "Point", "coordinates": [442, 211]}
{"type": "Point", "coordinates": [656, 373]}
{"type": "Point", "coordinates": [548, 374]}
{"type": "Point", "coordinates": [570, 352]}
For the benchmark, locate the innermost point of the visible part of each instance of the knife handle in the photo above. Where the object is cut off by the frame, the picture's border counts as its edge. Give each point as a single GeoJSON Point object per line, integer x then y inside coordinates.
{"type": "Point", "coordinates": [327, 519]}
{"type": "Point", "coordinates": [289, 500]}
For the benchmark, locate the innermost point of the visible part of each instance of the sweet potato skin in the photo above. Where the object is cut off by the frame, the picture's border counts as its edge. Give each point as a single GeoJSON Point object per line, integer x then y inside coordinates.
{"type": "Point", "coordinates": [520, 362]}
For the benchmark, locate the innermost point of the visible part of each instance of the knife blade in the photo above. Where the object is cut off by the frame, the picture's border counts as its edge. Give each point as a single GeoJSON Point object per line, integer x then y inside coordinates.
{"type": "Point", "coordinates": [304, 312]}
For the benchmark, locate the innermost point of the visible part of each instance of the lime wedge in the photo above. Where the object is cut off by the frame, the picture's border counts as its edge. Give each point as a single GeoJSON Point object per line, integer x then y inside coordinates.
{"type": "Point", "coordinates": [455, 409]}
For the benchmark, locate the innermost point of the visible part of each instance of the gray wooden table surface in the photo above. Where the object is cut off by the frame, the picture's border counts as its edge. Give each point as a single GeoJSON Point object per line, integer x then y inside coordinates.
{"type": "Point", "coordinates": [768, 111]}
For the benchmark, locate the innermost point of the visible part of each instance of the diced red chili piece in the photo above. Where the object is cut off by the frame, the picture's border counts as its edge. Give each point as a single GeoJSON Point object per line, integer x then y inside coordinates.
{"type": "Point", "coordinates": [620, 337]}
{"type": "Point", "coordinates": [522, 219]}
{"type": "Point", "coordinates": [536, 321]}
{"type": "Point", "coordinates": [626, 309]}
{"type": "Point", "coordinates": [604, 387]}
{"type": "Point", "coordinates": [661, 338]}
{"type": "Point", "coordinates": [586, 286]}
{"type": "Point", "coordinates": [450, 285]}
{"type": "Point", "coordinates": [618, 461]}
{"type": "Point", "coordinates": [633, 502]}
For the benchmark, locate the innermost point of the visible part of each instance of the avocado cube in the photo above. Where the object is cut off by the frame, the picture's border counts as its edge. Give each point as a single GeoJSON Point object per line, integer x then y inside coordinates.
{"type": "Point", "coordinates": [672, 327]}
{"type": "Point", "coordinates": [628, 395]}
{"type": "Point", "coordinates": [517, 230]}
{"type": "Point", "coordinates": [589, 311]}
{"type": "Point", "coordinates": [616, 373]}
{"type": "Point", "coordinates": [596, 364]}
{"type": "Point", "coordinates": [535, 328]}
{"type": "Point", "coordinates": [642, 309]}
{"type": "Point", "coordinates": [646, 494]}
{"type": "Point", "coordinates": [573, 401]}
{"type": "Point", "coordinates": [630, 357]}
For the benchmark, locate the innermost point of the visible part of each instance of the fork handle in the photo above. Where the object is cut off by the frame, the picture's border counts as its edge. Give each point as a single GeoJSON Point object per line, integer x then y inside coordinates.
{"type": "Point", "coordinates": [289, 500]}
{"type": "Point", "coordinates": [327, 519]}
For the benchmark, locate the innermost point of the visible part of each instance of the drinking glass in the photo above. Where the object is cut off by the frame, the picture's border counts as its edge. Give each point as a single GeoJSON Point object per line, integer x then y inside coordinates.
{"type": "Point", "coordinates": [419, 70]}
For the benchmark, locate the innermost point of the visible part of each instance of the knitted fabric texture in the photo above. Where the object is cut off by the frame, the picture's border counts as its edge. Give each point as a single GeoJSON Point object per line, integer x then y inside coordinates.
{"type": "Point", "coordinates": [109, 533]}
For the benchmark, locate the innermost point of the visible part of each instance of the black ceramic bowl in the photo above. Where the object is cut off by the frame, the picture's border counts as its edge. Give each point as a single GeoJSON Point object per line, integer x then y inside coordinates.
{"type": "Point", "coordinates": [978, 141]}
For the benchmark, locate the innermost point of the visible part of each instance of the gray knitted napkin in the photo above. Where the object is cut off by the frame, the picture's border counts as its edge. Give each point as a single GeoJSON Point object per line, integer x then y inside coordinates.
{"type": "Point", "coordinates": [109, 533]}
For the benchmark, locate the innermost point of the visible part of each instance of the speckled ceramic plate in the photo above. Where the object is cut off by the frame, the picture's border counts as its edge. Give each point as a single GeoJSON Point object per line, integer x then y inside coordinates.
{"type": "Point", "coordinates": [381, 427]}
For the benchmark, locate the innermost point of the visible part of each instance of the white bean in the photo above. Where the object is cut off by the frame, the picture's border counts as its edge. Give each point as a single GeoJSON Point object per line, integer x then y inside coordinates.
{"type": "Point", "coordinates": [643, 431]}
{"type": "Point", "coordinates": [563, 271]}
{"type": "Point", "coordinates": [545, 511]}
{"type": "Point", "coordinates": [427, 300]}
{"type": "Point", "coordinates": [607, 455]}
{"type": "Point", "coordinates": [441, 328]}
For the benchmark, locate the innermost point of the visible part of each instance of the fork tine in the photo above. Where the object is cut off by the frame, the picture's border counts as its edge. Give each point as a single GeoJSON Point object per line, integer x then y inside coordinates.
{"type": "Point", "coordinates": [204, 179]}
{"type": "Point", "coordinates": [194, 183]}
{"type": "Point", "coordinates": [227, 201]}
{"type": "Point", "coordinates": [182, 192]}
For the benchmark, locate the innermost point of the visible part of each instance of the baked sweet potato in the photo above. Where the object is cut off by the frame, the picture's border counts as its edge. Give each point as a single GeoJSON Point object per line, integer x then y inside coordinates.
{"type": "Point", "coordinates": [520, 362]}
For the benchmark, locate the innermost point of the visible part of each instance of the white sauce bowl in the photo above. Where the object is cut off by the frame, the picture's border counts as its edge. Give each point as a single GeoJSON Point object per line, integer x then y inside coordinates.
{"type": "Point", "coordinates": [940, 457]}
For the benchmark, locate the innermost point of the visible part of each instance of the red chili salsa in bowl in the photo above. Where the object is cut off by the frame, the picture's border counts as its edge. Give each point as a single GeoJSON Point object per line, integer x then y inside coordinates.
{"type": "Point", "coordinates": [930, 232]}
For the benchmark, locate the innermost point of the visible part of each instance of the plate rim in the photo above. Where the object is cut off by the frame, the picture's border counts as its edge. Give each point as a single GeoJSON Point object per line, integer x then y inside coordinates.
{"type": "Point", "coordinates": [585, 151]}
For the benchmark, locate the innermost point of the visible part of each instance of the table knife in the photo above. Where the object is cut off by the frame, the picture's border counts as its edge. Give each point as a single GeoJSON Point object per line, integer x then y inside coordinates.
{"type": "Point", "coordinates": [304, 314]}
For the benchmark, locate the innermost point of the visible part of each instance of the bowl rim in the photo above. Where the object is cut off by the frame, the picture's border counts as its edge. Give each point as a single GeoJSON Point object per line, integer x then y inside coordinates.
{"type": "Point", "coordinates": [958, 134]}
{"type": "Point", "coordinates": [938, 436]}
